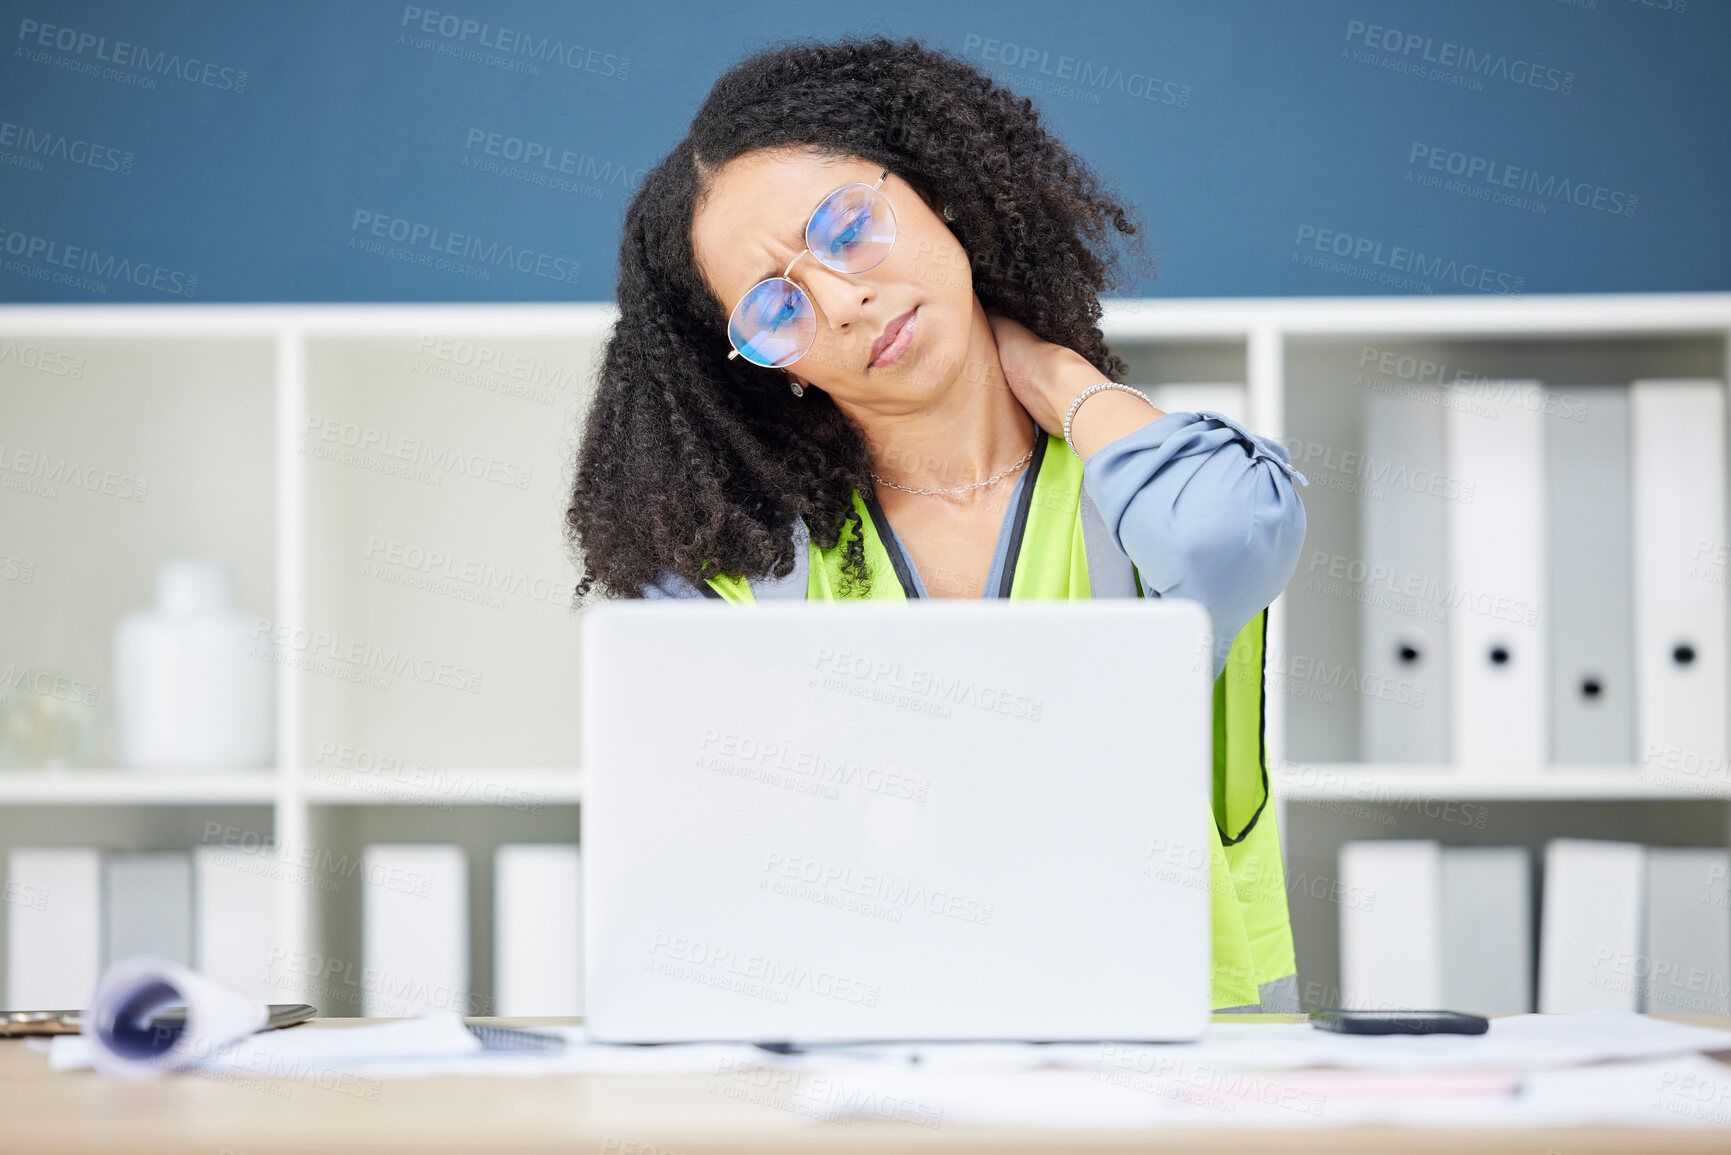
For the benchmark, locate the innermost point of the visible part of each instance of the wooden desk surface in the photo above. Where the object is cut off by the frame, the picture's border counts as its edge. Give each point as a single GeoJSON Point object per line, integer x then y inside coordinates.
{"type": "Point", "coordinates": [45, 1112]}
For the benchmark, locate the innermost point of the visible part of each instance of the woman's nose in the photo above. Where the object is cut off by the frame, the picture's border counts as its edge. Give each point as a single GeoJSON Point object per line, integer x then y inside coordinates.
{"type": "Point", "coordinates": [839, 297]}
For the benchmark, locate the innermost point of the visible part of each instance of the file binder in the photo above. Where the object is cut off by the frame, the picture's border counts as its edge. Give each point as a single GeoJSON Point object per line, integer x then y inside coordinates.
{"type": "Point", "coordinates": [1678, 451]}
{"type": "Point", "coordinates": [1688, 969]}
{"type": "Point", "coordinates": [53, 927]}
{"type": "Point", "coordinates": [236, 928]}
{"type": "Point", "coordinates": [1486, 933]}
{"type": "Point", "coordinates": [415, 931]}
{"type": "Point", "coordinates": [537, 935]}
{"type": "Point", "coordinates": [147, 905]}
{"type": "Point", "coordinates": [1590, 583]}
{"type": "Point", "coordinates": [1591, 924]}
{"type": "Point", "coordinates": [1389, 951]}
{"type": "Point", "coordinates": [1496, 548]}
{"type": "Point", "coordinates": [1403, 529]}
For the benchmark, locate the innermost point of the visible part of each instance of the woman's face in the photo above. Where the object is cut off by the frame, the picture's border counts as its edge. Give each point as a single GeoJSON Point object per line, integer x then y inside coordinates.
{"type": "Point", "coordinates": [753, 223]}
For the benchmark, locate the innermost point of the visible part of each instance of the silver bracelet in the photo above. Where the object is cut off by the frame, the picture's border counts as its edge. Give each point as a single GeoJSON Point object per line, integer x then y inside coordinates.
{"type": "Point", "coordinates": [1087, 393]}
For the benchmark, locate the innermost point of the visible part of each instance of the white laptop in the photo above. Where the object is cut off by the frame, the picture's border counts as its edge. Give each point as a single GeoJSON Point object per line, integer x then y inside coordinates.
{"type": "Point", "coordinates": [945, 819]}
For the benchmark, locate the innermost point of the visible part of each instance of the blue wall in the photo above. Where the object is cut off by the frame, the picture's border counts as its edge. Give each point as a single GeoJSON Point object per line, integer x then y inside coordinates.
{"type": "Point", "coordinates": [242, 152]}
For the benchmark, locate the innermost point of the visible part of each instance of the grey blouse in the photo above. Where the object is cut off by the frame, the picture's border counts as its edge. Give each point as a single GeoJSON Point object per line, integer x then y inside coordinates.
{"type": "Point", "coordinates": [1205, 509]}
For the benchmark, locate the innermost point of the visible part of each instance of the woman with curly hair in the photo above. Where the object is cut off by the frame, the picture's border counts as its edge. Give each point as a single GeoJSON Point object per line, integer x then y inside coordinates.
{"type": "Point", "coordinates": [857, 355]}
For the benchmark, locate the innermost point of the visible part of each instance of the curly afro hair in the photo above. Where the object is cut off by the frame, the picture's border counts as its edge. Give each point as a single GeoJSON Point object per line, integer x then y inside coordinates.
{"type": "Point", "coordinates": [695, 464]}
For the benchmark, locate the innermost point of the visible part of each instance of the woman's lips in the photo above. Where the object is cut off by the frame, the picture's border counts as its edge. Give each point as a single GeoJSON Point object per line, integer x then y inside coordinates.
{"type": "Point", "coordinates": [898, 344]}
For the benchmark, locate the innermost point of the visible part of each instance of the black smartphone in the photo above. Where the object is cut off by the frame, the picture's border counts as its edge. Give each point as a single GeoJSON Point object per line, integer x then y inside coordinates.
{"type": "Point", "coordinates": [1400, 1022]}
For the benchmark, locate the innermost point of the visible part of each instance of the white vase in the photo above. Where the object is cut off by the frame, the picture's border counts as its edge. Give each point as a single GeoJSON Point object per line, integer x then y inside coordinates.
{"type": "Point", "coordinates": [188, 692]}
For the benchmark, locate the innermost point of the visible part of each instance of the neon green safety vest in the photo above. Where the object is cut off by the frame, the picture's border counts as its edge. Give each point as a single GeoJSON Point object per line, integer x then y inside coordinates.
{"type": "Point", "coordinates": [1061, 548]}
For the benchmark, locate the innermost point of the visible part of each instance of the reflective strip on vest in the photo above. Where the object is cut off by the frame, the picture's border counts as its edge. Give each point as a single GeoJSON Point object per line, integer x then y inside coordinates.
{"type": "Point", "coordinates": [1067, 552]}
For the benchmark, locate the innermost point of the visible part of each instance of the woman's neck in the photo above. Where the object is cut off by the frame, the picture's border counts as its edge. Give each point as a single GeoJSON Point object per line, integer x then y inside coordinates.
{"type": "Point", "coordinates": [972, 428]}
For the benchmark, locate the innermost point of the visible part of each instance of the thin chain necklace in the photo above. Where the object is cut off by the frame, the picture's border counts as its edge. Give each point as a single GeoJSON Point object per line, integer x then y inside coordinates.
{"type": "Point", "coordinates": [999, 476]}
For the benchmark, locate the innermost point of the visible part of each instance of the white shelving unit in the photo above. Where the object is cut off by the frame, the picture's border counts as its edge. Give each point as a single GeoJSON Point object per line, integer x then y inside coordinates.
{"type": "Point", "coordinates": [225, 409]}
{"type": "Point", "coordinates": [131, 787]}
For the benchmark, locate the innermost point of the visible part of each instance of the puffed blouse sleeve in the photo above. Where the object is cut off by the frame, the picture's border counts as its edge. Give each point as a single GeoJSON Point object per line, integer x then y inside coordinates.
{"type": "Point", "coordinates": [1206, 509]}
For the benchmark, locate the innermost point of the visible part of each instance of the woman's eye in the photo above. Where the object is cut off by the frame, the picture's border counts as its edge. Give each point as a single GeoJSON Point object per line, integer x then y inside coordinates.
{"type": "Point", "coordinates": [850, 232]}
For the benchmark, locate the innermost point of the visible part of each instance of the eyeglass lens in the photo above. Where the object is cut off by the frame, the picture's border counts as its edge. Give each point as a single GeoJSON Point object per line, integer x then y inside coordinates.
{"type": "Point", "coordinates": [851, 231]}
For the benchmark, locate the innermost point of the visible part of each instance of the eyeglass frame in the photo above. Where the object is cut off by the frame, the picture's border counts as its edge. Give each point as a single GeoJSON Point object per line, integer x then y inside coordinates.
{"type": "Point", "coordinates": [807, 249]}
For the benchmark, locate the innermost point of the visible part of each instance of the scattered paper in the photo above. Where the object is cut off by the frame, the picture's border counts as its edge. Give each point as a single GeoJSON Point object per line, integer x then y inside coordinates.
{"type": "Point", "coordinates": [433, 1044]}
{"type": "Point", "coordinates": [1684, 1091]}
{"type": "Point", "coordinates": [1593, 1068]}
{"type": "Point", "coordinates": [1516, 1042]}
{"type": "Point", "coordinates": [1513, 1043]}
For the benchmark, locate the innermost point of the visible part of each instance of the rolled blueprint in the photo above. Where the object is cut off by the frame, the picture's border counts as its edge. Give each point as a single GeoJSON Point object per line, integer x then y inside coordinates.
{"type": "Point", "coordinates": [126, 1041]}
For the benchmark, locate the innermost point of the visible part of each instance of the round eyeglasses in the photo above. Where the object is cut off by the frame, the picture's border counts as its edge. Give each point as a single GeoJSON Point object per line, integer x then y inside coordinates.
{"type": "Point", "coordinates": [850, 231]}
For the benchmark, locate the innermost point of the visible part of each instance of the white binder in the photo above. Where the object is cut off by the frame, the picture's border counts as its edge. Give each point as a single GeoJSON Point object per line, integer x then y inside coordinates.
{"type": "Point", "coordinates": [1486, 932]}
{"type": "Point", "coordinates": [415, 931]}
{"type": "Point", "coordinates": [1403, 528]}
{"type": "Point", "coordinates": [1497, 570]}
{"type": "Point", "coordinates": [235, 916]}
{"type": "Point", "coordinates": [1389, 950]}
{"type": "Point", "coordinates": [1589, 587]}
{"type": "Point", "coordinates": [1688, 971]}
{"type": "Point", "coordinates": [1590, 926]}
{"type": "Point", "coordinates": [537, 930]}
{"type": "Point", "coordinates": [53, 927]}
{"type": "Point", "coordinates": [1677, 441]}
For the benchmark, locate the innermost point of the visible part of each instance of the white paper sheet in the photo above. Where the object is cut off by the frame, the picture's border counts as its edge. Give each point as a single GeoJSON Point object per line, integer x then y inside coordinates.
{"type": "Point", "coordinates": [1681, 1091]}
{"type": "Point", "coordinates": [1515, 1042]}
